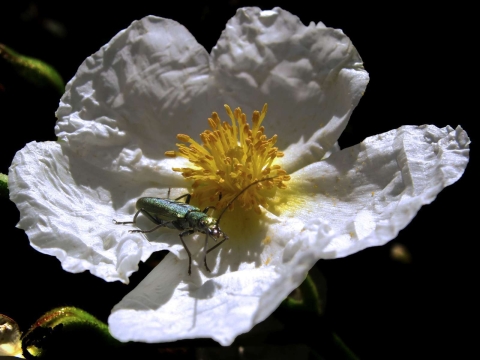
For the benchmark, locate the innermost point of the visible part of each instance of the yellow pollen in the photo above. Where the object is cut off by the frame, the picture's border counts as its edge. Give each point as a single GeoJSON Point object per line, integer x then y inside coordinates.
{"type": "Point", "coordinates": [232, 156]}
{"type": "Point", "coordinates": [183, 137]}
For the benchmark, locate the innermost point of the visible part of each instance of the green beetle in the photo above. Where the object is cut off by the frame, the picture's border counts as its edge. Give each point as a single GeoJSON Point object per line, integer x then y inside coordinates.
{"type": "Point", "coordinates": [186, 218]}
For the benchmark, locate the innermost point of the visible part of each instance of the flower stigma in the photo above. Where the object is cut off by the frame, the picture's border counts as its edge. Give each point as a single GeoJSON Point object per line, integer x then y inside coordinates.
{"type": "Point", "coordinates": [231, 157]}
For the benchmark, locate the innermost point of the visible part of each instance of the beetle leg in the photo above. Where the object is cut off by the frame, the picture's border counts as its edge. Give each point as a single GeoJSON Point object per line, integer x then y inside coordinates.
{"type": "Point", "coordinates": [144, 213]}
{"type": "Point", "coordinates": [188, 196]}
{"type": "Point", "coordinates": [217, 245]}
{"type": "Point", "coordinates": [208, 208]}
{"type": "Point", "coordinates": [205, 253]}
{"type": "Point", "coordinates": [122, 222]}
{"type": "Point", "coordinates": [147, 215]}
{"type": "Point", "coordinates": [147, 231]}
{"type": "Point", "coordinates": [131, 222]}
{"type": "Point", "coordinates": [182, 234]}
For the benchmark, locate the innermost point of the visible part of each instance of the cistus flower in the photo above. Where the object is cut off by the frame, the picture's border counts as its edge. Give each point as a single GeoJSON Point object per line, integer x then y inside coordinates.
{"type": "Point", "coordinates": [153, 86]}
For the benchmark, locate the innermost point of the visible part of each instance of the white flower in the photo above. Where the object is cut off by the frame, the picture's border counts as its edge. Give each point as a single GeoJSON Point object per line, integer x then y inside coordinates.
{"type": "Point", "coordinates": [121, 113]}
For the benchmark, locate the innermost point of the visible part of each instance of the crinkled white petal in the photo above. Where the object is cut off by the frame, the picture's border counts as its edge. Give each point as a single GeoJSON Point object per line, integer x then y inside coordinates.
{"type": "Point", "coordinates": [67, 207]}
{"type": "Point", "coordinates": [311, 76]}
{"type": "Point", "coordinates": [369, 192]}
{"type": "Point", "coordinates": [148, 84]}
{"type": "Point", "coordinates": [358, 197]}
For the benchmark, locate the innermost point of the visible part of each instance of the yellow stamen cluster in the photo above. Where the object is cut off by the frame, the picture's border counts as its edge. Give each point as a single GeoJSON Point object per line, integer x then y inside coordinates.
{"type": "Point", "coordinates": [231, 157]}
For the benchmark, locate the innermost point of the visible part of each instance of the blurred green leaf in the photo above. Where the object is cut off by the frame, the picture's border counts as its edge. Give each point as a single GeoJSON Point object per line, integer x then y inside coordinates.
{"type": "Point", "coordinates": [3, 185]}
{"type": "Point", "coordinates": [33, 70]}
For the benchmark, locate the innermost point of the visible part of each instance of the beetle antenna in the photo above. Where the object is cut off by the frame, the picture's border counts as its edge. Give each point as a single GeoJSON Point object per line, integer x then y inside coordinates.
{"type": "Point", "coordinates": [240, 193]}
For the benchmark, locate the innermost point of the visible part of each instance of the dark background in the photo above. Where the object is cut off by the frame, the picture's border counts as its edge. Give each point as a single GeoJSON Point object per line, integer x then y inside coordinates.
{"type": "Point", "coordinates": [422, 70]}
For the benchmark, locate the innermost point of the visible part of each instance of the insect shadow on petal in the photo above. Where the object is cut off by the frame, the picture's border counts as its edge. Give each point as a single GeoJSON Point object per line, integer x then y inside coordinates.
{"type": "Point", "coordinates": [186, 218]}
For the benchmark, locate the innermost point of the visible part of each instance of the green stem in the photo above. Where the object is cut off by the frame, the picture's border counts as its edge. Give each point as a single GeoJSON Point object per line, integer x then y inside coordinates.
{"type": "Point", "coordinates": [309, 299]}
{"type": "Point", "coordinates": [349, 354]}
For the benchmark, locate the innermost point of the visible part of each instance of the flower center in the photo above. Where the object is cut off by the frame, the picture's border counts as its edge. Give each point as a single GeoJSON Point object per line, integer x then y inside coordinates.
{"type": "Point", "coordinates": [231, 157]}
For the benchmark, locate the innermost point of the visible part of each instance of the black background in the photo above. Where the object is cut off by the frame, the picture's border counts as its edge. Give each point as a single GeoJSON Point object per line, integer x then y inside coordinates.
{"type": "Point", "coordinates": [422, 71]}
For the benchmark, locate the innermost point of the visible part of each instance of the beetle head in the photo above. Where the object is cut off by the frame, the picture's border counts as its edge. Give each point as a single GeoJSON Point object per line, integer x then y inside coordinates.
{"type": "Point", "coordinates": [209, 225]}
